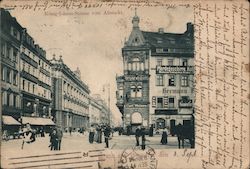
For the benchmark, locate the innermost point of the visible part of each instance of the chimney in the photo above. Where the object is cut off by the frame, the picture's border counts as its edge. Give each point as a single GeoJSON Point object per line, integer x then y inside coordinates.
{"type": "Point", "coordinates": [161, 30]}
{"type": "Point", "coordinates": [190, 27]}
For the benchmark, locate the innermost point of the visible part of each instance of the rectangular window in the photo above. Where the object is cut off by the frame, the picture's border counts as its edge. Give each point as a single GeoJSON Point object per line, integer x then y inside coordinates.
{"type": "Point", "coordinates": [15, 55]}
{"type": "Point", "coordinates": [28, 86]}
{"type": "Point", "coordinates": [159, 80]}
{"type": "Point", "coordinates": [184, 81]}
{"type": "Point", "coordinates": [159, 62]}
{"type": "Point", "coordinates": [15, 78]}
{"type": "Point", "coordinates": [171, 102]}
{"type": "Point", "coordinates": [3, 73]}
{"type": "Point", "coordinates": [8, 76]}
{"type": "Point", "coordinates": [8, 52]}
{"type": "Point", "coordinates": [159, 102]}
{"type": "Point", "coordinates": [170, 62]}
{"type": "Point", "coordinates": [159, 50]}
{"type": "Point", "coordinates": [14, 100]}
{"type": "Point", "coordinates": [171, 80]}
{"type": "Point", "coordinates": [45, 93]}
{"type": "Point", "coordinates": [184, 62]}
{"type": "Point", "coordinates": [3, 49]}
{"type": "Point", "coordinates": [33, 89]}
{"type": "Point", "coordinates": [8, 99]}
{"type": "Point", "coordinates": [23, 84]}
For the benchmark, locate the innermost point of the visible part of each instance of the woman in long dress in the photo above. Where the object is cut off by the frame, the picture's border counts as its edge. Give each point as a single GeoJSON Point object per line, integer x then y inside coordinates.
{"type": "Point", "coordinates": [164, 136]}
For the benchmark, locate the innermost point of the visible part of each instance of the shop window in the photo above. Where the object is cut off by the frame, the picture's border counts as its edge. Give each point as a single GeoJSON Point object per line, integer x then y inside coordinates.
{"type": "Point", "coordinates": [159, 102]}
{"type": "Point", "coordinates": [171, 102]}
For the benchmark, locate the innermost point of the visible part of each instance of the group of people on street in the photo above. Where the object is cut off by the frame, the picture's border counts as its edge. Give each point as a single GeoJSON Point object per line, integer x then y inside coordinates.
{"type": "Point", "coordinates": [56, 135]}
{"type": "Point", "coordinates": [95, 134]}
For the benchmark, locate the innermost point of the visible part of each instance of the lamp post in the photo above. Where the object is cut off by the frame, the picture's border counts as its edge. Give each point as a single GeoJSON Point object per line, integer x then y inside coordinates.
{"type": "Point", "coordinates": [109, 112]}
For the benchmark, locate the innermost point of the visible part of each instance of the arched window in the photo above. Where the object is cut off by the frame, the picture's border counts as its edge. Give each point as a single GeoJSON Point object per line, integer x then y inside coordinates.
{"type": "Point", "coordinates": [136, 91]}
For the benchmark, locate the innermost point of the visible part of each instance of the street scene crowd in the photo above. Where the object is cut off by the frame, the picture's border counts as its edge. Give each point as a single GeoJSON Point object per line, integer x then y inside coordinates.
{"type": "Point", "coordinates": [103, 134]}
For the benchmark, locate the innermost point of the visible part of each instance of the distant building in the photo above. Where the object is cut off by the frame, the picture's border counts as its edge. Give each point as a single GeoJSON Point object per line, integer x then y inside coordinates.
{"type": "Point", "coordinates": [70, 96]}
{"type": "Point", "coordinates": [156, 88]}
{"type": "Point", "coordinates": [104, 113]}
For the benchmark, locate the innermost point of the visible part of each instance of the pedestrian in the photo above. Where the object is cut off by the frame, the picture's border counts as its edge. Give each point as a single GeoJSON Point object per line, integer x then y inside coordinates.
{"type": "Point", "coordinates": [179, 133]}
{"type": "Point", "coordinates": [29, 135]}
{"type": "Point", "coordinates": [151, 131]}
{"type": "Point", "coordinates": [42, 132]}
{"type": "Point", "coordinates": [91, 134]}
{"type": "Point", "coordinates": [70, 130]}
{"type": "Point", "coordinates": [164, 136]}
{"type": "Point", "coordinates": [97, 136]}
{"type": "Point", "coordinates": [137, 135]}
{"type": "Point", "coordinates": [106, 135]}
{"type": "Point", "coordinates": [59, 133]}
{"type": "Point", "coordinates": [53, 140]}
{"type": "Point", "coordinates": [143, 139]}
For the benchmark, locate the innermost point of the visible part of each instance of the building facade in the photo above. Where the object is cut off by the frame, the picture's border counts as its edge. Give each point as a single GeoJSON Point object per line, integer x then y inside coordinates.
{"type": "Point", "coordinates": [70, 96]}
{"type": "Point", "coordinates": [156, 88]}
{"type": "Point", "coordinates": [35, 79]}
{"type": "Point", "coordinates": [10, 34]}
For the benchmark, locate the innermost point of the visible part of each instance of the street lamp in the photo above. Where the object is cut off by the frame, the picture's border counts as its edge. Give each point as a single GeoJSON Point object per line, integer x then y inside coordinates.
{"type": "Point", "coordinates": [109, 112]}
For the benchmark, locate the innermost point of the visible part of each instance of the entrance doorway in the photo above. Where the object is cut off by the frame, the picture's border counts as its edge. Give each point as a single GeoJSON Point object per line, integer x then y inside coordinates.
{"type": "Point", "coordinates": [172, 127]}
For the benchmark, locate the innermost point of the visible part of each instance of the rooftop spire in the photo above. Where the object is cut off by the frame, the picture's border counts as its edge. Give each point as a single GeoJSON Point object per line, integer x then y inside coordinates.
{"type": "Point", "coordinates": [135, 20]}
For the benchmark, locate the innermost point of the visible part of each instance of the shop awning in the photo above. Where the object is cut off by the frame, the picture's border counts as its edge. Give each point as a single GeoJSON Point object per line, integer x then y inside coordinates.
{"type": "Point", "coordinates": [8, 120]}
{"type": "Point", "coordinates": [37, 121]}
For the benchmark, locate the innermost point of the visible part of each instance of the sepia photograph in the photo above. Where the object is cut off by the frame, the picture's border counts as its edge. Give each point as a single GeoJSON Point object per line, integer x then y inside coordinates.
{"type": "Point", "coordinates": [104, 84]}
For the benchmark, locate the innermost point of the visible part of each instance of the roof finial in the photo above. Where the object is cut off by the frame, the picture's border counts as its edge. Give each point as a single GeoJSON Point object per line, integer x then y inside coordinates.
{"type": "Point", "coordinates": [135, 11]}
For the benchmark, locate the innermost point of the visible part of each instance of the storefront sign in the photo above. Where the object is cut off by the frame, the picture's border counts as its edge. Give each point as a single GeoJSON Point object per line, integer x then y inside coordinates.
{"type": "Point", "coordinates": [166, 91]}
{"type": "Point", "coordinates": [175, 69]}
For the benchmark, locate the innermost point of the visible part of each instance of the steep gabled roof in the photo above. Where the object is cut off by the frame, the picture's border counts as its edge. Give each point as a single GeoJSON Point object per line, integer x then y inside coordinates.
{"type": "Point", "coordinates": [168, 40]}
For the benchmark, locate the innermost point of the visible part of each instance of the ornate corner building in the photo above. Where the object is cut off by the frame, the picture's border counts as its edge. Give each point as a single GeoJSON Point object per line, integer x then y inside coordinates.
{"type": "Point", "coordinates": [156, 88]}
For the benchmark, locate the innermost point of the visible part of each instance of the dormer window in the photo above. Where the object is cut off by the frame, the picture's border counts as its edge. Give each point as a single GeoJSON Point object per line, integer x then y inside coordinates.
{"type": "Point", "coordinates": [159, 50]}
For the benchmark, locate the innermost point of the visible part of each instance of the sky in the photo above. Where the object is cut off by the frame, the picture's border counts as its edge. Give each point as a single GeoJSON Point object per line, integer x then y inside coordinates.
{"type": "Point", "coordinates": [94, 42]}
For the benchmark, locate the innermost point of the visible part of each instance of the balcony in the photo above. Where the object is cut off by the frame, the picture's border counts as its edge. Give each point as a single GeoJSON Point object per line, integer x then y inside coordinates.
{"type": "Point", "coordinates": [185, 103]}
{"type": "Point", "coordinates": [29, 76]}
{"type": "Point", "coordinates": [44, 71]}
{"type": "Point", "coordinates": [29, 60]}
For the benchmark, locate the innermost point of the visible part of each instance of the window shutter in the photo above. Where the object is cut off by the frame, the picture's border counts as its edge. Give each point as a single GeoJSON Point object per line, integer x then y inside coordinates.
{"type": "Point", "coordinates": [165, 101]}
{"type": "Point", "coordinates": [153, 101]}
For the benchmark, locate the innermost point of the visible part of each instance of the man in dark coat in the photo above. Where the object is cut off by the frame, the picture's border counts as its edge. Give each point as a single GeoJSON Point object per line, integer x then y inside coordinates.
{"type": "Point", "coordinates": [179, 133]}
{"type": "Point", "coordinates": [53, 140]}
{"type": "Point", "coordinates": [137, 135]}
{"type": "Point", "coordinates": [59, 133]}
{"type": "Point", "coordinates": [143, 139]}
{"type": "Point", "coordinates": [106, 135]}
